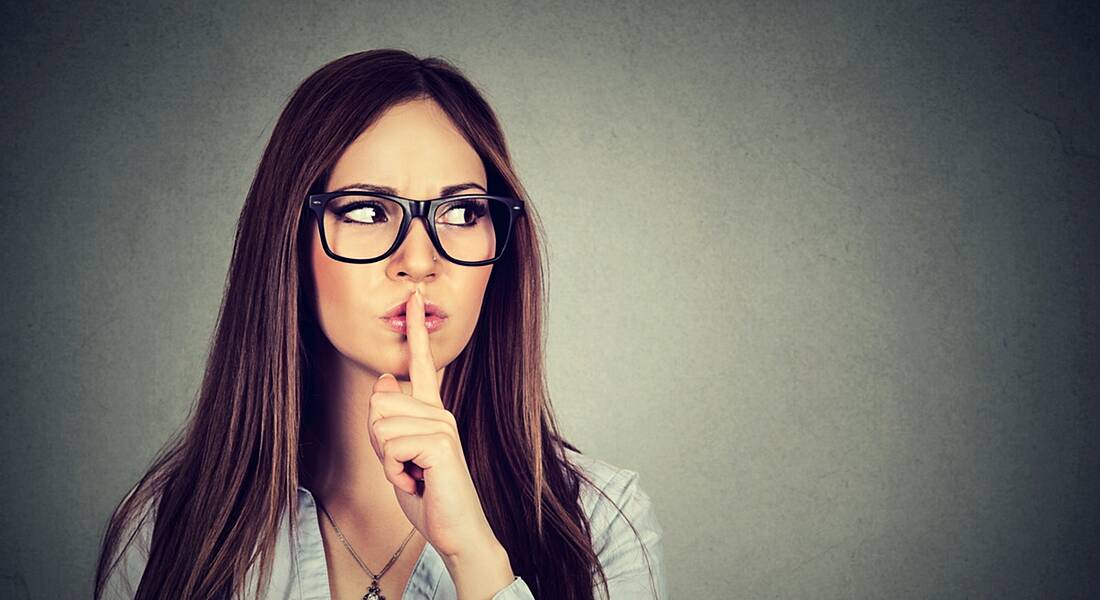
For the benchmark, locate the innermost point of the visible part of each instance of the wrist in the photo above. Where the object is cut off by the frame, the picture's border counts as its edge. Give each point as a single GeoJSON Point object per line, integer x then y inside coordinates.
{"type": "Point", "coordinates": [480, 571]}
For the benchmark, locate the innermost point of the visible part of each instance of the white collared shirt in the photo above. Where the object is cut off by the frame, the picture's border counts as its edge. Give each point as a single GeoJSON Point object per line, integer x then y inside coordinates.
{"type": "Point", "coordinates": [301, 573]}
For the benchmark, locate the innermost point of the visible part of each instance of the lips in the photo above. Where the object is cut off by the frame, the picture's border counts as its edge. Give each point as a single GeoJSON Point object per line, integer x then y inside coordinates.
{"type": "Point", "coordinates": [430, 309]}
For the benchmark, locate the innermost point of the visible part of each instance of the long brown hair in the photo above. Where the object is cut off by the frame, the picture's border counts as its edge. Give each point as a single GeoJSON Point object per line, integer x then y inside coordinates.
{"type": "Point", "coordinates": [222, 483]}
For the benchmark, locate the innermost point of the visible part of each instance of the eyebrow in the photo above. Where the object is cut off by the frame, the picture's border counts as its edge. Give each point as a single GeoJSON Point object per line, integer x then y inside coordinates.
{"type": "Point", "coordinates": [384, 189]}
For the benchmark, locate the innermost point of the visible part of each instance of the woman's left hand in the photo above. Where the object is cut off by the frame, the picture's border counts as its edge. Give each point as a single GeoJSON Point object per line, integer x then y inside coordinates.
{"type": "Point", "coordinates": [416, 438]}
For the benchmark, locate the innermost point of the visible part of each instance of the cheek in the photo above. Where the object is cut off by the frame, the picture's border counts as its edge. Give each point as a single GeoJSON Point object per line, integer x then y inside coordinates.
{"type": "Point", "coordinates": [342, 292]}
{"type": "Point", "coordinates": [329, 281]}
{"type": "Point", "coordinates": [473, 294]}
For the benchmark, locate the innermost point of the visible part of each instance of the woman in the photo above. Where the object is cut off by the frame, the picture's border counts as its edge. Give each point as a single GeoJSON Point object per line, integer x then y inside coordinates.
{"type": "Point", "coordinates": [376, 372]}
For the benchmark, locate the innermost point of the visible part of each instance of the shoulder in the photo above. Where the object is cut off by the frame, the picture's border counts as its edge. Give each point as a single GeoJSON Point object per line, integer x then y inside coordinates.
{"type": "Point", "coordinates": [612, 489]}
{"type": "Point", "coordinates": [601, 472]}
{"type": "Point", "coordinates": [626, 535]}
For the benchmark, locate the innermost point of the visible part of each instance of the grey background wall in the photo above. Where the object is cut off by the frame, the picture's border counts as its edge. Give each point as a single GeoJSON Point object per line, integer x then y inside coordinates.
{"type": "Point", "coordinates": [844, 327]}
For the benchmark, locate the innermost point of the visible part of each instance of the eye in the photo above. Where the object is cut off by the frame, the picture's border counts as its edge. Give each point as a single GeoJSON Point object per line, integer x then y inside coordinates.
{"type": "Point", "coordinates": [362, 212]}
{"type": "Point", "coordinates": [462, 213]}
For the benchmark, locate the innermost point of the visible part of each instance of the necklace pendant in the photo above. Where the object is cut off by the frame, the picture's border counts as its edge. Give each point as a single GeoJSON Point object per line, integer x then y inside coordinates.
{"type": "Point", "coordinates": [374, 592]}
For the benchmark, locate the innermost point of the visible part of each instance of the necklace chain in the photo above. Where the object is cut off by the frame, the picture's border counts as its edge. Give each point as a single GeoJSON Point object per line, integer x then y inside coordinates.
{"type": "Point", "coordinates": [374, 591]}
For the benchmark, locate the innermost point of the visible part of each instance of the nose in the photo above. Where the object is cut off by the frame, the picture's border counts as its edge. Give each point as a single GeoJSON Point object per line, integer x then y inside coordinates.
{"type": "Point", "coordinates": [415, 258]}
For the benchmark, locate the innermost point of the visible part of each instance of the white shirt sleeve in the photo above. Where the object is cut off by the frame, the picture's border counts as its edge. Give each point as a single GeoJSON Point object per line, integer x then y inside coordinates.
{"type": "Point", "coordinates": [618, 549]}
{"type": "Point", "coordinates": [517, 590]}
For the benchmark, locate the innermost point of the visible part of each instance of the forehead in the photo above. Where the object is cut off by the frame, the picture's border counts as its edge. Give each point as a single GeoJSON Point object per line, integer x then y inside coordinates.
{"type": "Point", "coordinates": [412, 147]}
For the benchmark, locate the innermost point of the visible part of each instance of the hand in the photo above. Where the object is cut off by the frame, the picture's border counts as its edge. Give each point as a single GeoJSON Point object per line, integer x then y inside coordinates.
{"type": "Point", "coordinates": [417, 440]}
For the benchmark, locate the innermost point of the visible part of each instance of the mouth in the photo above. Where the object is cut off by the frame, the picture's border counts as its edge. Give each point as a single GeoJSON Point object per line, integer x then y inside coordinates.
{"type": "Point", "coordinates": [395, 317]}
{"type": "Point", "coordinates": [430, 309]}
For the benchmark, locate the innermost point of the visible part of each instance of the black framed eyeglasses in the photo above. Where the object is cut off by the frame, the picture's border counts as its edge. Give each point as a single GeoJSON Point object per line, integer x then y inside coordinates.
{"type": "Point", "coordinates": [360, 227]}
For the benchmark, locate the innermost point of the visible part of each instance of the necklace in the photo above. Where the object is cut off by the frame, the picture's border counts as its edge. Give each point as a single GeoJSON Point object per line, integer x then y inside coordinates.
{"type": "Point", "coordinates": [374, 592]}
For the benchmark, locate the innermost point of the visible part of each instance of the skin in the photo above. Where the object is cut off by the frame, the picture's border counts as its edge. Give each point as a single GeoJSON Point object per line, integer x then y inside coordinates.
{"type": "Point", "coordinates": [356, 464]}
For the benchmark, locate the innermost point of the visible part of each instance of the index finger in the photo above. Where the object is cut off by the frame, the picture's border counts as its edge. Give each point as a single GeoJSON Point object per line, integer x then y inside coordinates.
{"type": "Point", "coordinates": [421, 364]}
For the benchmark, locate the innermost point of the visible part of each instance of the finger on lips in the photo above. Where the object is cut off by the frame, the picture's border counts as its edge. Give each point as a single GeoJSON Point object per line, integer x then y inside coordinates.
{"type": "Point", "coordinates": [422, 374]}
{"type": "Point", "coordinates": [392, 406]}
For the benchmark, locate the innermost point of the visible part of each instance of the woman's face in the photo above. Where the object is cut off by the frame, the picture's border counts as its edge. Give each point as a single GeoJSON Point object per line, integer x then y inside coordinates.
{"type": "Point", "coordinates": [416, 150]}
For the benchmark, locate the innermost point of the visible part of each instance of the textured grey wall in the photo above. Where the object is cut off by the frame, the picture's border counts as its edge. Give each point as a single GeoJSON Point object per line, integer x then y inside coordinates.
{"type": "Point", "coordinates": [842, 325]}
